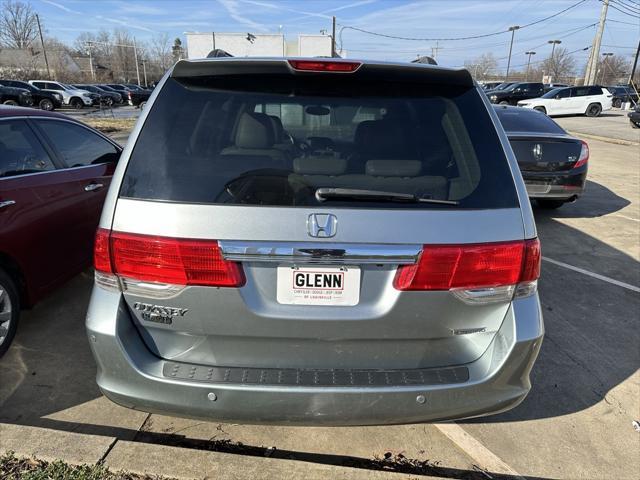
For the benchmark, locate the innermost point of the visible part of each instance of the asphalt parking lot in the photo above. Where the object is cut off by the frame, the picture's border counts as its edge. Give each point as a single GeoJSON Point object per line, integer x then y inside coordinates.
{"type": "Point", "coordinates": [576, 422]}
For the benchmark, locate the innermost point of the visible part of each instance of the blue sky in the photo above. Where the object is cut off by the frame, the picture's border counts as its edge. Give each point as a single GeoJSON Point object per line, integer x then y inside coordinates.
{"type": "Point", "coordinates": [65, 19]}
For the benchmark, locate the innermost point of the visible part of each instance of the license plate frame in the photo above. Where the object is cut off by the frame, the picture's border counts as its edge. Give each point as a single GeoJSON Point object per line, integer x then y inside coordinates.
{"type": "Point", "coordinates": [318, 285]}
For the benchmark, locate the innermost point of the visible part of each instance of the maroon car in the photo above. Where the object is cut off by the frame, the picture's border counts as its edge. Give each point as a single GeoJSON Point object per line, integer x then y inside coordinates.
{"type": "Point", "coordinates": [54, 175]}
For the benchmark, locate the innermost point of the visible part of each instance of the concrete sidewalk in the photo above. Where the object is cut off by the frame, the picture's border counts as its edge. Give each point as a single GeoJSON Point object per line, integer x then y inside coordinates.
{"type": "Point", "coordinates": [170, 462]}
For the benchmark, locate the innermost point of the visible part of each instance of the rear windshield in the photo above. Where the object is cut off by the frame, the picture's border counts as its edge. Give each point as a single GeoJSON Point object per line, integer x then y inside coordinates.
{"type": "Point", "coordinates": [526, 120]}
{"type": "Point", "coordinates": [278, 140]}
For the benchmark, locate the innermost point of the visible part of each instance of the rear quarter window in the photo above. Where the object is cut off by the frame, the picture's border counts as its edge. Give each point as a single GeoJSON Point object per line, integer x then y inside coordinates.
{"type": "Point", "coordinates": [277, 139]}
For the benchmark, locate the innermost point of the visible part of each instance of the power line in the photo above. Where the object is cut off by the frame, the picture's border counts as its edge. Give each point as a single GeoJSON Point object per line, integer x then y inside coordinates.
{"type": "Point", "coordinates": [452, 39]}
{"type": "Point", "coordinates": [620, 21]}
{"type": "Point", "coordinates": [613, 5]}
{"type": "Point", "coordinates": [625, 5]}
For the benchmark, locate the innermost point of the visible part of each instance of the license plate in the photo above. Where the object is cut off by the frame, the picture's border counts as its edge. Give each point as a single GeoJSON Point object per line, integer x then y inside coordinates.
{"type": "Point", "coordinates": [330, 286]}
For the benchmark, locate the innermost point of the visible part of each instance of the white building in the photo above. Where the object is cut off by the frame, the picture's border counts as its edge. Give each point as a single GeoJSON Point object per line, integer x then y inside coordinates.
{"type": "Point", "coordinates": [259, 45]}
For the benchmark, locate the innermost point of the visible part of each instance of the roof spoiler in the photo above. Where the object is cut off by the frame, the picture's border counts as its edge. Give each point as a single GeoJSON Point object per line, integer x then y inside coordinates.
{"type": "Point", "coordinates": [408, 72]}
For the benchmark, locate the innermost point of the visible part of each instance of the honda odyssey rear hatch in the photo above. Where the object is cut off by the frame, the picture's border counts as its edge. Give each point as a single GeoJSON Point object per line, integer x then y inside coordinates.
{"type": "Point", "coordinates": [287, 232]}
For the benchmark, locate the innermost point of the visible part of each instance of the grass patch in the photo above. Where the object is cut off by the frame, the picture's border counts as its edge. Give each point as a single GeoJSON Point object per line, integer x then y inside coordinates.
{"type": "Point", "coordinates": [111, 125]}
{"type": "Point", "coordinates": [14, 468]}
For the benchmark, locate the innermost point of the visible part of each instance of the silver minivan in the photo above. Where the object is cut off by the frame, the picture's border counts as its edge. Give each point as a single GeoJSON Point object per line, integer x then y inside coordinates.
{"type": "Point", "coordinates": [316, 242]}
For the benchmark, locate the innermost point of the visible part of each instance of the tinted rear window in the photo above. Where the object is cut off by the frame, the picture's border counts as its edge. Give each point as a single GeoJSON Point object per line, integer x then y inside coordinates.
{"type": "Point", "coordinates": [277, 139]}
{"type": "Point", "coordinates": [525, 120]}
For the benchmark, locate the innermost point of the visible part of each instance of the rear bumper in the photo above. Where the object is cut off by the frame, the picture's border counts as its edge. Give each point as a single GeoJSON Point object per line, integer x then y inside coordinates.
{"type": "Point", "coordinates": [557, 186]}
{"type": "Point", "coordinates": [131, 376]}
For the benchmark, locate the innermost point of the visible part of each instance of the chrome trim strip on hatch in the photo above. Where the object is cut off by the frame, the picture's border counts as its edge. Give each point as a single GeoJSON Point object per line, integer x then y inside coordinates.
{"type": "Point", "coordinates": [318, 253]}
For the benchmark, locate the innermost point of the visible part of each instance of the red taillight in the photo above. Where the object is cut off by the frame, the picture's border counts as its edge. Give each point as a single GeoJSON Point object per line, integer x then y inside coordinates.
{"type": "Point", "coordinates": [175, 261]}
{"type": "Point", "coordinates": [445, 267]}
{"type": "Point", "coordinates": [324, 65]}
{"type": "Point", "coordinates": [101, 256]}
{"type": "Point", "coordinates": [584, 155]}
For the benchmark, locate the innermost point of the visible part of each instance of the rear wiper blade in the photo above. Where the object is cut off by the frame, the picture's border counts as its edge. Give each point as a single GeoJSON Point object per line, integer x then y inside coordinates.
{"type": "Point", "coordinates": [324, 193]}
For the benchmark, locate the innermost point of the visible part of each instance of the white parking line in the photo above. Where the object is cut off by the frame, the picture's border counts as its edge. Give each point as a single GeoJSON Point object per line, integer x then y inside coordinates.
{"type": "Point", "coordinates": [594, 275]}
{"type": "Point", "coordinates": [624, 216]}
{"type": "Point", "coordinates": [487, 460]}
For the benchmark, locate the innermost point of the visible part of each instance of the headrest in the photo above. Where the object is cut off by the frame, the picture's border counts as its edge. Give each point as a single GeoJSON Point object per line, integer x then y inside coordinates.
{"type": "Point", "coordinates": [393, 168]}
{"type": "Point", "coordinates": [255, 130]}
{"type": "Point", "coordinates": [278, 129]}
{"type": "Point", "coordinates": [378, 137]}
{"type": "Point", "coordinates": [323, 165]}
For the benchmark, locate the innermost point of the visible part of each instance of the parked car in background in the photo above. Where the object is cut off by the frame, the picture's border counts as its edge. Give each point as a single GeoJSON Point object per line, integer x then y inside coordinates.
{"type": "Point", "coordinates": [327, 258]}
{"type": "Point", "coordinates": [72, 97]}
{"type": "Point", "coordinates": [122, 90]}
{"type": "Point", "coordinates": [490, 85]}
{"type": "Point", "coordinates": [551, 86]}
{"type": "Point", "coordinates": [42, 99]}
{"type": "Point", "coordinates": [516, 92]}
{"type": "Point", "coordinates": [117, 96]}
{"type": "Point", "coordinates": [54, 175]}
{"type": "Point", "coordinates": [634, 117]}
{"type": "Point", "coordinates": [15, 96]}
{"type": "Point", "coordinates": [502, 86]}
{"type": "Point", "coordinates": [553, 163]}
{"type": "Point", "coordinates": [623, 94]}
{"type": "Point", "coordinates": [104, 97]}
{"type": "Point", "coordinates": [138, 95]}
{"type": "Point", "coordinates": [588, 100]}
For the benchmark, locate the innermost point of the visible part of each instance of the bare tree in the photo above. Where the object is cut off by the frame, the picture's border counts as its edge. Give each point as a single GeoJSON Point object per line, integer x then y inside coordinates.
{"type": "Point", "coordinates": [482, 66]}
{"type": "Point", "coordinates": [160, 50]}
{"type": "Point", "coordinates": [613, 69]}
{"type": "Point", "coordinates": [18, 24]}
{"type": "Point", "coordinates": [561, 66]}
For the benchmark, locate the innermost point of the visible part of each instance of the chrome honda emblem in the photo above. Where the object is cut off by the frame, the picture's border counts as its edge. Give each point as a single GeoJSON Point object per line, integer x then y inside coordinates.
{"type": "Point", "coordinates": [322, 225]}
{"type": "Point", "coordinates": [537, 152]}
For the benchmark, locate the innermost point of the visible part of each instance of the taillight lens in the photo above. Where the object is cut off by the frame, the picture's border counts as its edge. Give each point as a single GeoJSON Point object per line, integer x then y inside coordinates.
{"type": "Point", "coordinates": [324, 66]}
{"type": "Point", "coordinates": [584, 155]}
{"type": "Point", "coordinates": [174, 261]}
{"type": "Point", "coordinates": [101, 257]}
{"type": "Point", "coordinates": [472, 266]}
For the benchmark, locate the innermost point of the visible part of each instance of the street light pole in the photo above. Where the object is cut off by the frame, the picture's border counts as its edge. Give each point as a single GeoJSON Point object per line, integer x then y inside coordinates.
{"type": "Point", "coordinates": [513, 32]}
{"type": "Point", "coordinates": [553, 60]}
{"type": "Point", "coordinates": [528, 63]}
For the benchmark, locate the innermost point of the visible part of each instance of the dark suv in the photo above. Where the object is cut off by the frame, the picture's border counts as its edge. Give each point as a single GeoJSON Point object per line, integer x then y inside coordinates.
{"type": "Point", "coordinates": [15, 96]}
{"type": "Point", "coordinates": [516, 92]}
{"type": "Point", "coordinates": [133, 96]}
{"type": "Point", "coordinates": [43, 99]}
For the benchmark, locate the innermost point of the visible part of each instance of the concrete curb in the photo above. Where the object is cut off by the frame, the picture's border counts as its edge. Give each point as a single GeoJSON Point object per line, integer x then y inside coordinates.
{"type": "Point", "coordinates": [617, 141]}
{"type": "Point", "coordinates": [184, 463]}
{"type": "Point", "coordinates": [49, 445]}
{"type": "Point", "coordinates": [173, 462]}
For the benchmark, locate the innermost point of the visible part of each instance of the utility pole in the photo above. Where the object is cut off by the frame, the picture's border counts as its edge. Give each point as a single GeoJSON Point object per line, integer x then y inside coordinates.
{"type": "Point", "coordinates": [434, 51]}
{"type": "Point", "coordinates": [93, 74]}
{"type": "Point", "coordinates": [333, 36]}
{"type": "Point", "coordinates": [633, 69]}
{"type": "Point", "coordinates": [144, 69]}
{"type": "Point", "coordinates": [592, 64]}
{"type": "Point", "coordinates": [44, 50]}
{"type": "Point", "coordinates": [604, 65]}
{"type": "Point", "coordinates": [528, 63]}
{"type": "Point", "coordinates": [135, 56]}
{"type": "Point", "coordinates": [513, 32]}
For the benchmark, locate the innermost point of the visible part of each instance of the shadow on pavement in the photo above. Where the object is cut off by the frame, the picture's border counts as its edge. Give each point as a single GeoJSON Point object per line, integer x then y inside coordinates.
{"type": "Point", "coordinates": [597, 201]}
